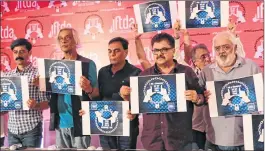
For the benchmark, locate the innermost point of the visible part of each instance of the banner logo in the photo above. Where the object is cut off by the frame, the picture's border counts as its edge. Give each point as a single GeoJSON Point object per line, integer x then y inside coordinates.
{"type": "Point", "coordinates": [34, 31]}
{"type": "Point", "coordinates": [4, 7]}
{"type": "Point", "coordinates": [259, 48]}
{"type": "Point", "coordinates": [121, 24]}
{"type": "Point", "coordinates": [56, 27]}
{"type": "Point", "coordinates": [237, 10]}
{"type": "Point", "coordinates": [93, 26]}
{"type": "Point", "coordinates": [259, 16]}
{"type": "Point", "coordinates": [7, 34]}
{"type": "Point", "coordinates": [26, 6]}
{"type": "Point", "coordinates": [57, 8]}
{"type": "Point", "coordinates": [5, 62]}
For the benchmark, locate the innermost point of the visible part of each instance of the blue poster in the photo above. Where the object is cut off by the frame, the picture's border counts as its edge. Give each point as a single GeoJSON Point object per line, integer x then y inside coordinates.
{"type": "Point", "coordinates": [253, 132]}
{"type": "Point", "coordinates": [60, 76]}
{"type": "Point", "coordinates": [236, 97]}
{"type": "Point", "coordinates": [258, 131]}
{"type": "Point", "coordinates": [106, 118]}
{"type": "Point", "coordinates": [158, 94]}
{"type": "Point", "coordinates": [203, 14]}
{"type": "Point", "coordinates": [155, 16]}
{"type": "Point", "coordinates": [14, 93]}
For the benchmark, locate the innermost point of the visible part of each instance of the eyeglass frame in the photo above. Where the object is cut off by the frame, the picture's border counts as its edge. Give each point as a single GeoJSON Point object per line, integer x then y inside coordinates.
{"type": "Point", "coordinates": [162, 50]}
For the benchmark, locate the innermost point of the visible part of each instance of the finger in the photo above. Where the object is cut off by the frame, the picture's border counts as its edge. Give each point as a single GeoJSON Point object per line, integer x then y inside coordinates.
{"type": "Point", "coordinates": [187, 92]}
{"type": "Point", "coordinates": [188, 98]}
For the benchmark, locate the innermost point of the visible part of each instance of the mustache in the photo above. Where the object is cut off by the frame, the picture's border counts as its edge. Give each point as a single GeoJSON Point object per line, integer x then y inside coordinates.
{"type": "Point", "coordinates": [160, 57]}
{"type": "Point", "coordinates": [19, 58]}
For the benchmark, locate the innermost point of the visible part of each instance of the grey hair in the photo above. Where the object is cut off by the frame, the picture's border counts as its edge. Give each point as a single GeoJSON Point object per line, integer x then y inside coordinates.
{"type": "Point", "coordinates": [74, 32]}
{"type": "Point", "coordinates": [198, 46]}
{"type": "Point", "coordinates": [234, 40]}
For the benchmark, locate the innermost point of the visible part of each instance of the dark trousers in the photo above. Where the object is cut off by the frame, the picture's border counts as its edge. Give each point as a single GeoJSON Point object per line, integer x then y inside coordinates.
{"type": "Point", "coordinates": [2, 140]}
{"type": "Point", "coordinates": [120, 142]}
{"type": "Point", "coordinates": [31, 138]}
{"type": "Point", "coordinates": [199, 138]}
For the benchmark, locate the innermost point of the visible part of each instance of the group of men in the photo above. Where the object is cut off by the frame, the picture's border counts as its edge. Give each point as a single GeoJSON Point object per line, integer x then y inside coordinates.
{"type": "Point", "coordinates": [189, 130]}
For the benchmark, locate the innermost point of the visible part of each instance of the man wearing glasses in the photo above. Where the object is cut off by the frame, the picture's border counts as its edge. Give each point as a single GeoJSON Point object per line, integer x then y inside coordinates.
{"type": "Point", "coordinates": [65, 108]}
{"type": "Point", "coordinates": [169, 131]}
{"type": "Point", "coordinates": [200, 57]}
{"type": "Point", "coordinates": [225, 133]}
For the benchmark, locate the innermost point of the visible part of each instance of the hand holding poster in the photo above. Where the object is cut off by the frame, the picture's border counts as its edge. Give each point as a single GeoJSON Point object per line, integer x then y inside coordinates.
{"type": "Point", "coordinates": [236, 97]}
{"type": "Point", "coordinates": [155, 16]}
{"type": "Point", "coordinates": [105, 118]}
{"type": "Point", "coordinates": [158, 94]}
{"type": "Point", "coordinates": [203, 14]}
{"type": "Point", "coordinates": [14, 93]}
{"type": "Point", "coordinates": [60, 76]}
{"type": "Point", "coordinates": [253, 132]}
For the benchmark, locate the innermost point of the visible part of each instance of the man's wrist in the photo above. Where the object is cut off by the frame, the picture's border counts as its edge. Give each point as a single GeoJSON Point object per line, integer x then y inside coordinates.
{"type": "Point", "coordinates": [37, 106]}
{"type": "Point", "coordinates": [90, 92]}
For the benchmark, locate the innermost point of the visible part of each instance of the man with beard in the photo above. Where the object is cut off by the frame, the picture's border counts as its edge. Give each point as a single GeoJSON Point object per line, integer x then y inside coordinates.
{"type": "Point", "coordinates": [65, 119]}
{"type": "Point", "coordinates": [25, 126]}
{"type": "Point", "coordinates": [225, 133]}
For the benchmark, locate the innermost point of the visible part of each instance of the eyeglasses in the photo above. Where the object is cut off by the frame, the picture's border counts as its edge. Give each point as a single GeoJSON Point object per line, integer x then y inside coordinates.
{"type": "Point", "coordinates": [204, 56]}
{"type": "Point", "coordinates": [66, 38]}
{"type": "Point", "coordinates": [19, 51]}
{"type": "Point", "coordinates": [162, 50]}
{"type": "Point", "coordinates": [224, 47]}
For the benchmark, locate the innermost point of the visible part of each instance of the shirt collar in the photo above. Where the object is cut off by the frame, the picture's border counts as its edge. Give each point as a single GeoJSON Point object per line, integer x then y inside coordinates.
{"type": "Point", "coordinates": [239, 62]}
{"type": "Point", "coordinates": [175, 69]}
{"type": "Point", "coordinates": [29, 66]}
{"type": "Point", "coordinates": [197, 70]}
{"type": "Point", "coordinates": [124, 67]}
{"type": "Point", "coordinates": [77, 58]}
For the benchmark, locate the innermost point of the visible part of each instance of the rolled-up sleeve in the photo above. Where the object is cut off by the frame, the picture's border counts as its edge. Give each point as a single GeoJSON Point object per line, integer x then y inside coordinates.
{"type": "Point", "coordinates": [44, 96]}
{"type": "Point", "coordinates": [92, 74]}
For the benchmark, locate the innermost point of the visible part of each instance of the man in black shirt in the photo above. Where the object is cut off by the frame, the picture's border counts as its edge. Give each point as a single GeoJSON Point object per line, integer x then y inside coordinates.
{"type": "Point", "coordinates": [110, 79]}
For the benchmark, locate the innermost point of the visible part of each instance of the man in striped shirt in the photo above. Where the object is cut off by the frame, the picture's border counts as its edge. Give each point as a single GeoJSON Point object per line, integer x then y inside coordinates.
{"type": "Point", "coordinates": [25, 126]}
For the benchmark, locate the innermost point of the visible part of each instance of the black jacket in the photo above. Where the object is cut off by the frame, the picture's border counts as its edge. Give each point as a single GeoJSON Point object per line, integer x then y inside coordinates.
{"type": "Point", "coordinates": [76, 103]}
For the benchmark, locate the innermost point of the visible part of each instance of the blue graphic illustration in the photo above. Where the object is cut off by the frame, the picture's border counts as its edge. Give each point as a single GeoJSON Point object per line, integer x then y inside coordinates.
{"type": "Point", "coordinates": [157, 94]}
{"type": "Point", "coordinates": [258, 131]}
{"type": "Point", "coordinates": [236, 96]}
{"type": "Point", "coordinates": [60, 76]}
{"type": "Point", "coordinates": [11, 94]}
{"type": "Point", "coordinates": [202, 14]}
{"type": "Point", "coordinates": [155, 16]}
{"type": "Point", "coordinates": [106, 117]}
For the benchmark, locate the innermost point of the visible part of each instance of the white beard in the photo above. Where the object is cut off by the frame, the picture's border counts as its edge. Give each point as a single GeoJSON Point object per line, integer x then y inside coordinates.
{"type": "Point", "coordinates": [228, 61]}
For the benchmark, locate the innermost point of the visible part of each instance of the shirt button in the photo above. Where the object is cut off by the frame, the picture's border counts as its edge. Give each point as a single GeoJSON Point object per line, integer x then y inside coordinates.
{"type": "Point", "coordinates": [162, 133]}
{"type": "Point", "coordinates": [161, 122]}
